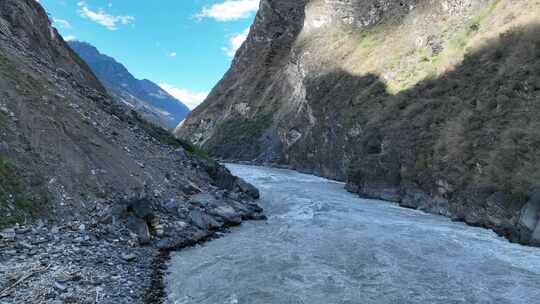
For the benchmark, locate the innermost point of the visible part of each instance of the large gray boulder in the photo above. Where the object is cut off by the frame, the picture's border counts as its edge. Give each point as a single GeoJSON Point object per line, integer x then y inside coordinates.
{"type": "Point", "coordinates": [229, 216]}
{"type": "Point", "coordinates": [247, 188]}
{"type": "Point", "coordinates": [530, 218]}
{"type": "Point", "coordinates": [202, 220]}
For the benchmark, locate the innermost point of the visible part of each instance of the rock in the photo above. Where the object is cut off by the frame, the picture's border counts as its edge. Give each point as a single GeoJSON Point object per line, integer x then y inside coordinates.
{"type": "Point", "coordinates": [181, 224]}
{"type": "Point", "coordinates": [535, 238]}
{"type": "Point", "coordinates": [62, 73]}
{"type": "Point", "coordinates": [68, 278]}
{"type": "Point", "coordinates": [142, 208]}
{"type": "Point", "coordinates": [26, 245]}
{"type": "Point", "coordinates": [60, 287]}
{"type": "Point", "coordinates": [530, 213]}
{"type": "Point", "coordinates": [202, 200]}
{"type": "Point", "coordinates": [129, 257]}
{"type": "Point", "coordinates": [159, 230]}
{"type": "Point", "coordinates": [202, 220]}
{"type": "Point", "coordinates": [140, 228]}
{"type": "Point", "coordinates": [190, 188]}
{"type": "Point", "coordinates": [171, 206]}
{"type": "Point", "coordinates": [8, 234]}
{"type": "Point", "coordinates": [530, 218]}
{"type": "Point", "coordinates": [228, 214]}
{"type": "Point", "coordinates": [247, 188]}
{"type": "Point", "coordinates": [23, 230]}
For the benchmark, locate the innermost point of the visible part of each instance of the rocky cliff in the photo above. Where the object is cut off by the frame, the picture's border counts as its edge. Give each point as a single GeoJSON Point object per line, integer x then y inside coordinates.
{"type": "Point", "coordinates": [146, 97]}
{"type": "Point", "coordinates": [84, 181]}
{"type": "Point", "coordinates": [432, 104]}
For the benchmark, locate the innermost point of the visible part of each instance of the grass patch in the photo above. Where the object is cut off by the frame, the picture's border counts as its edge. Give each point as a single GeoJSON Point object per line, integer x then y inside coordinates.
{"type": "Point", "coordinates": [7, 68]}
{"type": "Point", "coordinates": [461, 39]}
{"type": "Point", "coordinates": [237, 131]}
{"type": "Point", "coordinates": [368, 42]}
{"type": "Point", "coordinates": [16, 204]}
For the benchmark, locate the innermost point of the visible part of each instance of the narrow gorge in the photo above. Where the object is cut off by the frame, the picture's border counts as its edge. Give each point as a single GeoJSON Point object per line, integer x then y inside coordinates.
{"type": "Point", "coordinates": [432, 104]}
{"type": "Point", "coordinates": [355, 152]}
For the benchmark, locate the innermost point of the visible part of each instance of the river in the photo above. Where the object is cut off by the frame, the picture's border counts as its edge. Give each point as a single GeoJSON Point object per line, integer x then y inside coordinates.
{"type": "Point", "coordinates": [323, 245]}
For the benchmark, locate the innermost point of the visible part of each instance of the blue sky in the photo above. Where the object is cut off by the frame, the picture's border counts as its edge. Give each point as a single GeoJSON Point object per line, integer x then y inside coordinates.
{"type": "Point", "coordinates": [184, 45]}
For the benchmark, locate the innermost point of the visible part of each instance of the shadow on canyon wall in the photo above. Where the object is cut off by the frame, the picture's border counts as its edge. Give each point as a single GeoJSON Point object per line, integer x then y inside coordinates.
{"type": "Point", "coordinates": [468, 136]}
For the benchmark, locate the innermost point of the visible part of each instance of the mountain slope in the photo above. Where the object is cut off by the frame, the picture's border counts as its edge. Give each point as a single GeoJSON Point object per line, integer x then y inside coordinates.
{"type": "Point", "coordinates": [432, 104]}
{"type": "Point", "coordinates": [85, 181]}
{"type": "Point", "coordinates": [154, 103]}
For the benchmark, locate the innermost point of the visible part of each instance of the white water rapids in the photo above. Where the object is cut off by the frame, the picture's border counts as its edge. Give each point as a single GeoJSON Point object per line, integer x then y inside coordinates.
{"type": "Point", "coordinates": [323, 245]}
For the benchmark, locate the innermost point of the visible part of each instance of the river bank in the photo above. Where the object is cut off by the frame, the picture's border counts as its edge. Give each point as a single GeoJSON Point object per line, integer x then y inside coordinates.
{"type": "Point", "coordinates": [112, 258]}
{"type": "Point", "coordinates": [322, 244]}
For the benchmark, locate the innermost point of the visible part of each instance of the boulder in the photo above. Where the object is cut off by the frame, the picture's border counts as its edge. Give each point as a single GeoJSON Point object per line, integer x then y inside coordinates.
{"type": "Point", "coordinates": [530, 218]}
{"type": "Point", "coordinates": [140, 227]}
{"type": "Point", "coordinates": [202, 220]}
{"type": "Point", "coordinates": [227, 214]}
{"type": "Point", "coordinates": [129, 257]}
{"type": "Point", "coordinates": [530, 215]}
{"type": "Point", "coordinates": [203, 200]}
{"type": "Point", "coordinates": [190, 188]}
{"type": "Point", "coordinates": [247, 188]}
{"type": "Point", "coordinates": [535, 238]}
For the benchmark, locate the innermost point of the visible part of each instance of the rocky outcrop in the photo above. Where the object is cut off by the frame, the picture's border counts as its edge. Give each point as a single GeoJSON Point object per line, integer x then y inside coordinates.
{"type": "Point", "coordinates": [91, 194]}
{"type": "Point", "coordinates": [431, 104]}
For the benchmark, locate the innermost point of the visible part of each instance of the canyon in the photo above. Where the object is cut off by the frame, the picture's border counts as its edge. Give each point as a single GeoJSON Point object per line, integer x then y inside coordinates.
{"type": "Point", "coordinates": [431, 104]}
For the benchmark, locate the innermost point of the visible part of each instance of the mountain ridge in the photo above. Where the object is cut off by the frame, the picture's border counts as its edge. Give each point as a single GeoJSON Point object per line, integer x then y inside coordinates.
{"type": "Point", "coordinates": [149, 99]}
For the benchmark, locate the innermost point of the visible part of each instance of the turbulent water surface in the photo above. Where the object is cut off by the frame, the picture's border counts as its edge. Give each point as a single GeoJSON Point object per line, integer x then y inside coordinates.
{"type": "Point", "coordinates": [324, 245]}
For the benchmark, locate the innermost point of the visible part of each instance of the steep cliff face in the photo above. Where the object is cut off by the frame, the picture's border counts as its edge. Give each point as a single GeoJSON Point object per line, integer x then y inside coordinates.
{"type": "Point", "coordinates": [433, 104]}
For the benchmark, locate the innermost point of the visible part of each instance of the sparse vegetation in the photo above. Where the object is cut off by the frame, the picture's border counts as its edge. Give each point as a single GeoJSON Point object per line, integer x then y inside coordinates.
{"type": "Point", "coordinates": [167, 138]}
{"type": "Point", "coordinates": [16, 205]}
{"type": "Point", "coordinates": [237, 131]}
{"type": "Point", "coordinates": [473, 125]}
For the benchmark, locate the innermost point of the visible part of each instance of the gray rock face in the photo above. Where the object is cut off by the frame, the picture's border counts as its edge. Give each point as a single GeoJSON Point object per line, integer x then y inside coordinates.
{"type": "Point", "coordinates": [535, 239]}
{"type": "Point", "coordinates": [397, 98]}
{"type": "Point", "coordinates": [248, 188]}
{"type": "Point", "coordinates": [530, 219]}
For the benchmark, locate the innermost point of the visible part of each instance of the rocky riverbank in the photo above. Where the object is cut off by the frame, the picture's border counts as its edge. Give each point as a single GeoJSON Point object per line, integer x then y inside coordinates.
{"type": "Point", "coordinates": [115, 257]}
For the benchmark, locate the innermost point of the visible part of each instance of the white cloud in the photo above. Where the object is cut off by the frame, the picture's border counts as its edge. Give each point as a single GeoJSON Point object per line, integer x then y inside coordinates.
{"type": "Point", "coordinates": [230, 10]}
{"type": "Point", "coordinates": [235, 42]}
{"type": "Point", "coordinates": [189, 98]}
{"type": "Point", "coordinates": [70, 38]}
{"type": "Point", "coordinates": [172, 54]}
{"type": "Point", "coordinates": [109, 21]}
{"type": "Point", "coordinates": [62, 23]}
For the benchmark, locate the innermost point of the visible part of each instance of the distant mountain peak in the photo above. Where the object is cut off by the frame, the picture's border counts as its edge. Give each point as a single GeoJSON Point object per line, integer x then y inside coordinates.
{"type": "Point", "coordinates": [145, 96]}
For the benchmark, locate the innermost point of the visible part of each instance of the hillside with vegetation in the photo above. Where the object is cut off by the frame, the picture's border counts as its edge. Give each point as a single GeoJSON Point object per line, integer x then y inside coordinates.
{"type": "Point", "coordinates": [432, 104]}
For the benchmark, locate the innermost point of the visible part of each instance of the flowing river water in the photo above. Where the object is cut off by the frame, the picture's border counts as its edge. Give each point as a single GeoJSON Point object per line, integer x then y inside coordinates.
{"type": "Point", "coordinates": [324, 245]}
